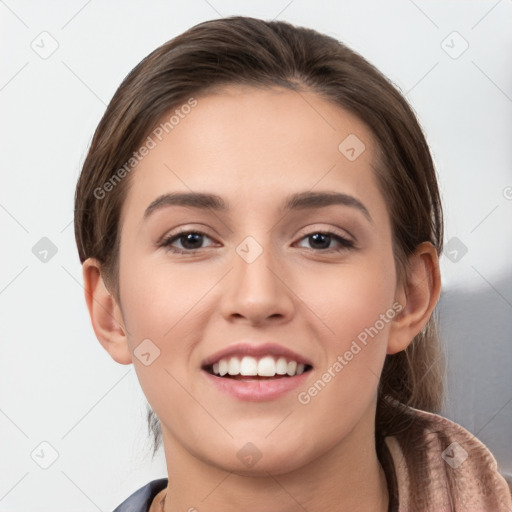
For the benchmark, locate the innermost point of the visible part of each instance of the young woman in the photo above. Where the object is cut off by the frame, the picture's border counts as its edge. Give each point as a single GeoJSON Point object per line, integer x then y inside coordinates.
{"type": "Point", "coordinates": [259, 223]}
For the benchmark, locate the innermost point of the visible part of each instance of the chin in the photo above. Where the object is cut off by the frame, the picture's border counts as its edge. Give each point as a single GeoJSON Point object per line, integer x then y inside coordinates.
{"type": "Point", "coordinates": [261, 457]}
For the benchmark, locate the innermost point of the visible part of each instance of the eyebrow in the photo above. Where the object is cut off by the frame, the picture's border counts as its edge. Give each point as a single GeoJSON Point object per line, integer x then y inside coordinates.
{"type": "Point", "coordinates": [297, 201]}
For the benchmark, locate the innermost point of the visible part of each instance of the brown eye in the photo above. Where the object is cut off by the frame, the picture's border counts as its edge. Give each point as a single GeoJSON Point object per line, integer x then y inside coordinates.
{"type": "Point", "coordinates": [191, 241]}
{"type": "Point", "coordinates": [321, 241]}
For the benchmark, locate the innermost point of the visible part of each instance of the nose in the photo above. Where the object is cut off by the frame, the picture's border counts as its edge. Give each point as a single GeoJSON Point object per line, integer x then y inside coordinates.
{"type": "Point", "coordinates": [257, 291]}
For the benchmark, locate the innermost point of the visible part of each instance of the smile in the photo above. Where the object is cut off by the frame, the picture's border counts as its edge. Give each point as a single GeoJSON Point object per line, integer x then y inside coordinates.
{"type": "Point", "coordinates": [256, 372]}
{"type": "Point", "coordinates": [267, 366]}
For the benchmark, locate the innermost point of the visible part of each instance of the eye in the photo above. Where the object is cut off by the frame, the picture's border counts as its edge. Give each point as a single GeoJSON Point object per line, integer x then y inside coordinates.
{"type": "Point", "coordinates": [190, 240]}
{"type": "Point", "coordinates": [323, 239]}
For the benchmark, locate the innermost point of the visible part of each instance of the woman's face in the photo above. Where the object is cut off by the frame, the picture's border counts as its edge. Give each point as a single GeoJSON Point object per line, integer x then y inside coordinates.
{"type": "Point", "coordinates": [262, 287]}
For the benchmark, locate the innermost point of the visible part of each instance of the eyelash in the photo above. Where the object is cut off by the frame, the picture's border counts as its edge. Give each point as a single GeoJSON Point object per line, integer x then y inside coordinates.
{"type": "Point", "coordinates": [345, 243]}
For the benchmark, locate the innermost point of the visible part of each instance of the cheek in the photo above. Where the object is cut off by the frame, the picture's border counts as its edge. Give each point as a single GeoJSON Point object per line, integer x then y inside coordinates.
{"type": "Point", "coordinates": [161, 308]}
{"type": "Point", "coordinates": [354, 304]}
{"type": "Point", "coordinates": [164, 311]}
{"type": "Point", "coordinates": [348, 298]}
{"type": "Point", "coordinates": [158, 300]}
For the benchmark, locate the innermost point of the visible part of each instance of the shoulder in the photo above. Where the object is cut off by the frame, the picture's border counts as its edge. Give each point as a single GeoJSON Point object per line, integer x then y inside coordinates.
{"type": "Point", "coordinates": [455, 470]}
{"type": "Point", "coordinates": [141, 500]}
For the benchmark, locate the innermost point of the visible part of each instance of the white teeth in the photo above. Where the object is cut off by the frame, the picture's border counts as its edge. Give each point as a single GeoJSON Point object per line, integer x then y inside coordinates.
{"type": "Point", "coordinates": [281, 366]}
{"type": "Point", "coordinates": [234, 366]}
{"type": "Point", "coordinates": [291, 367]}
{"type": "Point", "coordinates": [223, 367]}
{"type": "Point", "coordinates": [267, 366]}
{"type": "Point", "coordinates": [248, 366]}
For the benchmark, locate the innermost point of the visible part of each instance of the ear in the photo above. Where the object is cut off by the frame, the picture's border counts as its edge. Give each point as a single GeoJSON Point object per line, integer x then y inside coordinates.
{"type": "Point", "coordinates": [106, 316]}
{"type": "Point", "coordinates": [418, 297]}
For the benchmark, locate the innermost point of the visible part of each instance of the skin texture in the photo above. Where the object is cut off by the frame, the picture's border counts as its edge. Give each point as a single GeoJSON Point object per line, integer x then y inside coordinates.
{"type": "Point", "coordinates": [253, 147]}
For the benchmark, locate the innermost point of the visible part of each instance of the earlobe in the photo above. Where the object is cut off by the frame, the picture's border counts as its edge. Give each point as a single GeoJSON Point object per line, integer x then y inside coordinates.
{"type": "Point", "coordinates": [418, 297]}
{"type": "Point", "coordinates": [105, 313]}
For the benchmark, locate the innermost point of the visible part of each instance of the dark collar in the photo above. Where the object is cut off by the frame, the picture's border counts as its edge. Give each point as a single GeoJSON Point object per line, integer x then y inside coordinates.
{"type": "Point", "coordinates": [141, 500]}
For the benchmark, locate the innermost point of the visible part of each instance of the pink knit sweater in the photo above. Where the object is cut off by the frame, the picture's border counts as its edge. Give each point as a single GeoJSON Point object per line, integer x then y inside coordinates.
{"type": "Point", "coordinates": [459, 473]}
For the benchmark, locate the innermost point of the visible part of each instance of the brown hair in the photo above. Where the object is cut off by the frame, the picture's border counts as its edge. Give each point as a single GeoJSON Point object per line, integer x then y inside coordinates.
{"type": "Point", "coordinates": [243, 50]}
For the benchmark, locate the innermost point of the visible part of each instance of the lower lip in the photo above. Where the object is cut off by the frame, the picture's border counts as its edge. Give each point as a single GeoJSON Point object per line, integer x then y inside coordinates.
{"type": "Point", "coordinates": [257, 390]}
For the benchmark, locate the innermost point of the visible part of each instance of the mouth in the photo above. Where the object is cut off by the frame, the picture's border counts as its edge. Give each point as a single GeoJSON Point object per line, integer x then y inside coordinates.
{"type": "Point", "coordinates": [250, 368]}
{"type": "Point", "coordinates": [256, 372]}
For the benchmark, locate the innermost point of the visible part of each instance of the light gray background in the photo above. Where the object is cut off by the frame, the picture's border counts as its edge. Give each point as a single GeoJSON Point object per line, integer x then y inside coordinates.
{"type": "Point", "coordinates": [58, 385]}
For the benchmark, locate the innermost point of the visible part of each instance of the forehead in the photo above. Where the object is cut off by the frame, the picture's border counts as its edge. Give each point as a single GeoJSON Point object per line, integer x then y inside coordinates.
{"type": "Point", "coordinates": [253, 146]}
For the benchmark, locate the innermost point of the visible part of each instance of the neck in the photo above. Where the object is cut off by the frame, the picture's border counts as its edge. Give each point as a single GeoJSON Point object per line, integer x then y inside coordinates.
{"type": "Point", "coordinates": [347, 478]}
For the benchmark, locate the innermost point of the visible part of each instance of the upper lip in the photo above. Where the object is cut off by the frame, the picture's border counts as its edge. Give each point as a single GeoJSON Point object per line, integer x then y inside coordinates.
{"type": "Point", "coordinates": [256, 350]}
